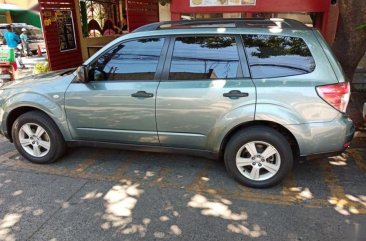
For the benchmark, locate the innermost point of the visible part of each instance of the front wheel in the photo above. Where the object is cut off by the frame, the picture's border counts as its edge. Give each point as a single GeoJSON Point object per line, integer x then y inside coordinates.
{"type": "Point", "coordinates": [258, 157]}
{"type": "Point", "coordinates": [37, 138]}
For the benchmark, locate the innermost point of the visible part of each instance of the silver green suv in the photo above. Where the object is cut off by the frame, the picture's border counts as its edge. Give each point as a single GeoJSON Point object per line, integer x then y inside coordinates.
{"type": "Point", "coordinates": [259, 93]}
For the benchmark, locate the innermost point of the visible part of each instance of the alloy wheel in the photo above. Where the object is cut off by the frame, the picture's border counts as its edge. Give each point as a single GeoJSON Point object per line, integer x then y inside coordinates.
{"type": "Point", "coordinates": [34, 139]}
{"type": "Point", "coordinates": [258, 160]}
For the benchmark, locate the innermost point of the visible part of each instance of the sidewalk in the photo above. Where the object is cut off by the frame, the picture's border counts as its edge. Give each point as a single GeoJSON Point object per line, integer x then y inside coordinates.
{"type": "Point", "coordinates": [29, 63]}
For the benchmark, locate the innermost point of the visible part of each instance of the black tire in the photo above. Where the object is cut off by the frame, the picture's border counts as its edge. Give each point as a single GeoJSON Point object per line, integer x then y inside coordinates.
{"type": "Point", "coordinates": [260, 134]}
{"type": "Point", "coordinates": [57, 143]}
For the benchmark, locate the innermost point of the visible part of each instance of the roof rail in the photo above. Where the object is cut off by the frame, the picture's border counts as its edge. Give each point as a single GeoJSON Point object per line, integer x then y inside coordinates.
{"type": "Point", "coordinates": [224, 22]}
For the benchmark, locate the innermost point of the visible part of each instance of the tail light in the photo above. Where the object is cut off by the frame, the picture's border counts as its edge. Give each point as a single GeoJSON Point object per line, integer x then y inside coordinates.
{"type": "Point", "coordinates": [337, 95]}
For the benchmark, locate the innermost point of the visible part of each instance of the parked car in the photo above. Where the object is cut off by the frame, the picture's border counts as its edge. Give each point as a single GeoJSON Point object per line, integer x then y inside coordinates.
{"type": "Point", "coordinates": [257, 93]}
{"type": "Point", "coordinates": [35, 36]}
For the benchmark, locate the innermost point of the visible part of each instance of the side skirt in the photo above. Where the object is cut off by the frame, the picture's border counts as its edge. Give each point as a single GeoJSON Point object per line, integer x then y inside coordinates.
{"type": "Point", "coordinates": [145, 148]}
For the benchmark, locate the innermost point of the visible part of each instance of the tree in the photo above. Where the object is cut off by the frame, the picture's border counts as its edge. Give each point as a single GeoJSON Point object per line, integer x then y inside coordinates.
{"type": "Point", "coordinates": [350, 41]}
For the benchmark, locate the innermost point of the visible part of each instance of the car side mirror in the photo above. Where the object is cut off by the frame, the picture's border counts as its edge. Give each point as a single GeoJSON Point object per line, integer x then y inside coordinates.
{"type": "Point", "coordinates": [82, 74]}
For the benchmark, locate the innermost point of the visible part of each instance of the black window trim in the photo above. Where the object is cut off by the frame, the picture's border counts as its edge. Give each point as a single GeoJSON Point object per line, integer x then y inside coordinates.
{"type": "Point", "coordinates": [242, 56]}
{"type": "Point", "coordinates": [244, 70]}
{"type": "Point", "coordinates": [247, 58]}
{"type": "Point", "coordinates": [158, 67]}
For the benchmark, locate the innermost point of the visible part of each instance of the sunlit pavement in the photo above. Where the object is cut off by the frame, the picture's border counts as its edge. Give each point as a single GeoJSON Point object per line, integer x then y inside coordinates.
{"type": "Point", "coordinates": [29, 63]}
{"type": "Point", "coordinates": [100, 194]}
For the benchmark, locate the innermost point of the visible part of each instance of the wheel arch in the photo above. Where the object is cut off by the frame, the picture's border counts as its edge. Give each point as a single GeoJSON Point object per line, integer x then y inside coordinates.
{"type": "Point", "coordinates": [280, 128]}
{"type": "Point", "coordinates": [18, 111]}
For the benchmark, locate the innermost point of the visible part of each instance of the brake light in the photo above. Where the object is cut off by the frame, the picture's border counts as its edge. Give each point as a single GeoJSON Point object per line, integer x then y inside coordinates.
{"type": "Point", "coordinates": [337, 95]}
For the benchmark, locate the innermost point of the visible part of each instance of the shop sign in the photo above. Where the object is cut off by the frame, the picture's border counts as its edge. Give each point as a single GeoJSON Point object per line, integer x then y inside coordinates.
{"type": "Point", "coordinates": [47, 22]}
{"type": "Point", "coordinates": [215, 3]}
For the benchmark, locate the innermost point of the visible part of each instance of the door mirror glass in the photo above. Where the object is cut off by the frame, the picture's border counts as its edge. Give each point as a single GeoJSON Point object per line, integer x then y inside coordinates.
{"type": "Point", "coordinates": [81, 74]}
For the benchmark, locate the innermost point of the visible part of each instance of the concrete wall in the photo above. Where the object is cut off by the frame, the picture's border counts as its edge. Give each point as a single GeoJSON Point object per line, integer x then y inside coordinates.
{"type": "Point", "coordinates": [332, 23]}
{"type": "Point", "coordinates": [362, 65]}
{"type": "Point", "coordinates": [92, 43]}
{"type": "Point", "coordinates": [23, 4]}
{"type": "Point", "coordinates": [86, 42]}
{"type": "Point", "coordinates": [164, 12]}
{"type": "Point", "coordinates": [164, 15]}
{"type": "Point", "coordinates": [5, 17]}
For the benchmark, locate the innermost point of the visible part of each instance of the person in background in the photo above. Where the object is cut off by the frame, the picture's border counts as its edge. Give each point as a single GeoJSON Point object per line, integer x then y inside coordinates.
{"type": "Point", "coordinates": [12, 40]}
{"type": "Point", "coordinates": [25, 43]}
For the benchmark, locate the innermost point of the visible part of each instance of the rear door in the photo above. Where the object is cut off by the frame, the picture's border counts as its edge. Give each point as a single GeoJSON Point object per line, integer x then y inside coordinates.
{"type": "Point", "coordinates": [202, 83]}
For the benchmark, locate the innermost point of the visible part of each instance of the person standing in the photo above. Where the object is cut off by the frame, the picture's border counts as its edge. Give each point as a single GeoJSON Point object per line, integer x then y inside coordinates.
{"type": "Point", "coordinates": [24, 41]}
{"type": "Point", "coordinates": [12, 40]}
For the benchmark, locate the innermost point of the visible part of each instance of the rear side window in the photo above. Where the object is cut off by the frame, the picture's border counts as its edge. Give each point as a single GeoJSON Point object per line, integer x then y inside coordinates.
{"type": "Point", "coordinates": [202, 58]}
{"type": "Point", "coordinates": [277, 56]}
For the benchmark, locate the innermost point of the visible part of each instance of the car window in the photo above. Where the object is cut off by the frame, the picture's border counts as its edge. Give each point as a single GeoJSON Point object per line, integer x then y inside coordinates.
{"type": "Point", "coordinates": [132, 60]}
{"type": "Point", "coordinates": [277, 56]}
{"type": "Point", "coordinates": [211, 57]}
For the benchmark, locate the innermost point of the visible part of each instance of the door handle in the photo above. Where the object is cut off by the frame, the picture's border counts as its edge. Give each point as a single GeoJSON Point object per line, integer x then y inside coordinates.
{"type": "Point", "coordinates": [142, 94]}
{"type": "Point", "coordinates": [234, 94]}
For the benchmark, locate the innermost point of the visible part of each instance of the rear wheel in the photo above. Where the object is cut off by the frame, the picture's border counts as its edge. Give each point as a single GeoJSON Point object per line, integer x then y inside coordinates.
{"type": "Point", "coordinates": [37, 137]}
{"type": "Point", "coordinates": [258, 157]}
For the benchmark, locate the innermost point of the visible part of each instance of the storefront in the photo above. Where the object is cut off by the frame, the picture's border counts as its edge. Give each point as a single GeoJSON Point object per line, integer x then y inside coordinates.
{"type": "Point", "coordinates": [75, 29]}
{"type": "Point", "coordinates": [321, 14]}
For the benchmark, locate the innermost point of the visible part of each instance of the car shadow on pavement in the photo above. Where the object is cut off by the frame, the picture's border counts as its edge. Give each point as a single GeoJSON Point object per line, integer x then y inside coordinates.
{"type": "Point", "coordinates": [98, 194]}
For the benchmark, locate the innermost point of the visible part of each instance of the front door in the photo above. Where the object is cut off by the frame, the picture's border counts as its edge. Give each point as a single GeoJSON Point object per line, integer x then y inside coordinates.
{"type": "Point", "coordinates": [204, 85]}
{"type": "Point", "coordinates": [118, 104]}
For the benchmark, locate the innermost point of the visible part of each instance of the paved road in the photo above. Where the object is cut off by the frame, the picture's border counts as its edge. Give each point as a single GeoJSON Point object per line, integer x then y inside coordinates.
{"type": "Point", "coordinates": [100, 194]}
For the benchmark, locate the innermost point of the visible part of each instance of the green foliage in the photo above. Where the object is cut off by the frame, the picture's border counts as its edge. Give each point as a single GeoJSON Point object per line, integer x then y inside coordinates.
{"type": "Point", "coordinates": [267, 46]}
{"type": "Point", "coordinates": [209, 42]}
{"type": "Point", "coordinates": [41, 68]}
{"type": "Point", "coordinates": [361, 26]}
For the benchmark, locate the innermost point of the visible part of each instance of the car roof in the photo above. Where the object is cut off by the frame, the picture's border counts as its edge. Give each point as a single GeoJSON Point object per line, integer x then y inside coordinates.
{"type": "Point", "coordinates": [225, 23]}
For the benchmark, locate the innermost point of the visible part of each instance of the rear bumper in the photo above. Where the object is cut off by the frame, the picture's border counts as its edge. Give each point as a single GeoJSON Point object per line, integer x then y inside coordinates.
{"type": "Point", "coordinates": [320, 156]}
{"type": "Point", "coordinates": [324, 139]}
{"type": "Point", "coordinates": [350, 134]}
{"type": "Point", "coordinates": [347, 142]}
